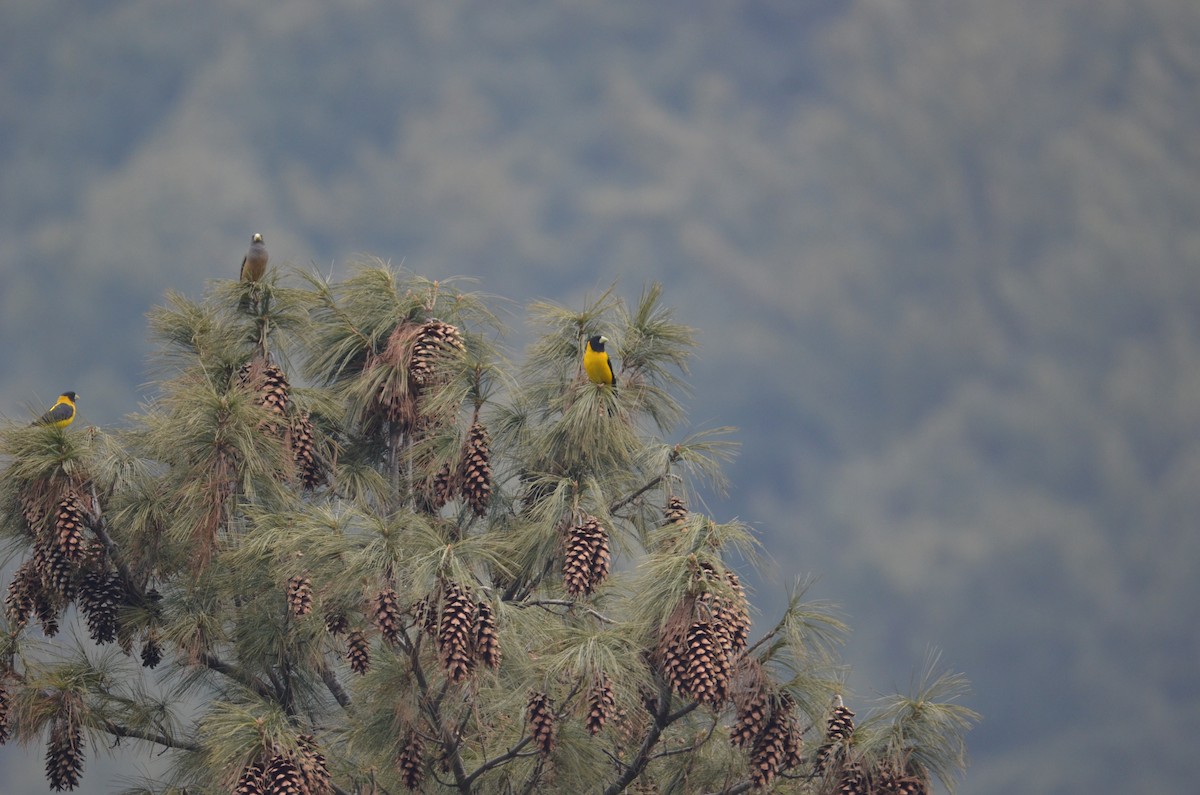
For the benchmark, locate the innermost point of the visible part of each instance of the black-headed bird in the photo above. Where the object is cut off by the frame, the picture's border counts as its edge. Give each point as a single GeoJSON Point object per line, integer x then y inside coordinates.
{"type": "Point", "coordinates": [254, 264]}
{"type": "Point", "coordinates": [596, 363]}
{"type": "Point", "coordinates": [62, 413]}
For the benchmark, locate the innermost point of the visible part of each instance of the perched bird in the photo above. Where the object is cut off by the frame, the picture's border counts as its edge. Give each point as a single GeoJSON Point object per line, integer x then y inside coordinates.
{"type": "Point", "coordinates": [62, 413]}
{"type": "Point", "coordinates": [254, 264]}
{"type": "Point", "coordinates": [596, 364]}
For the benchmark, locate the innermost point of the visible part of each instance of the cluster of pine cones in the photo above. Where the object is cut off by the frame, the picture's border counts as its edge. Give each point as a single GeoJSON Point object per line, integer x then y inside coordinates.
{"type": "Point", "coordinates": [471, 479]}
{"type": "Point", "coordinates": [291, 425]}
{"type": "Point", "coordinates": [764, 724]}
{"type": "Point", "coordinates": [463, 628]}
{"type": "Point", "coordinates": [295, 772]}
{"type": "Point", "coordinates": [69, 564]}
{"type": "Point", "coordinates": [704, 636]}
{"type": "Point", "coordinates": [414, 356]}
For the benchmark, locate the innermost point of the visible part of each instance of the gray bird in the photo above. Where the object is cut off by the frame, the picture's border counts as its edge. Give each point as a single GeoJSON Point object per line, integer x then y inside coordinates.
{"type": "Point", "coordinates": [254, 264]}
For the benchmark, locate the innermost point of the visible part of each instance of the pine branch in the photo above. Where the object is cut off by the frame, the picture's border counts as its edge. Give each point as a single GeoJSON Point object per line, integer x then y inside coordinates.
{"type": "Point", "coordinates": [687, 749]}
{"type": "Point", "coordinates": [536, 774]}
{"type": "Point", "coordinates": [509, 755]}
{"type": "Point", "coordinates": [662, 719]}
{"type": "Point", "coordinates": [567, 604]}
{"type": "Point", "coordinates": [335, 686]}
{"type": "Point", "coordinates": [214, 663]}
{"type": "Point", "coordinates": [654, 481]}
{"type": "Point", "coordinates": [114, 552]}
{"type": "Point", "coordinates": [432, 711]}
{"type": "Point", "coordinates": [736, 789]}
{"type": "Point", "coordinates": [159, 738]}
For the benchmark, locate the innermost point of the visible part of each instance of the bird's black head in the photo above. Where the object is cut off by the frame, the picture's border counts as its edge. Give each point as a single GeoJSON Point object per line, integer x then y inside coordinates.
{"type": "Point", "coordinates": [596, 343]}
{"type": "Point", "coordinates": [69, 396]}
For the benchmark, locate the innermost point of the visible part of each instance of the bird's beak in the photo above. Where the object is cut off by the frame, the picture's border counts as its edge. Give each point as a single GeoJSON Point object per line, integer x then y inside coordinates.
{"type": "Point", "coordinates": [603, 340]}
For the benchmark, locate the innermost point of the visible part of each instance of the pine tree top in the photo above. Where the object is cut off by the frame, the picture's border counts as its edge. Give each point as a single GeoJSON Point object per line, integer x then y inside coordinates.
{"type": "Point", "coordinates": [378, 549]}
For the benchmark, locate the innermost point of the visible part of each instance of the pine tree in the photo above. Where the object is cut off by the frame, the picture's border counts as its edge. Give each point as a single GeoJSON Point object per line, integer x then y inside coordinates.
{"type": "Point", "coordinates": [342, 503]}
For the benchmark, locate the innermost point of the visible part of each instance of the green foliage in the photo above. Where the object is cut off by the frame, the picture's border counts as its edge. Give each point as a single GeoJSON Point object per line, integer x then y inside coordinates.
{"type": "Point", "coordinates": [331, 599]}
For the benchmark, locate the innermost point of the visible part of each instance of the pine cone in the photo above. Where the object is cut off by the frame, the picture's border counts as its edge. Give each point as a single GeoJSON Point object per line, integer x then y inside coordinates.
{"type": "Point", "coordinates": [313, 769]}
{"type": "Point", "coordinates": [69, 523]}
{"type": "Point", "coordinates": [410, 762]}
{"type": "Point", "coordinates": [487, 644]}
{"type": "Point", "coordinates": [541, 717]}
{"type": "Point", "coordinates": [454, 632]}
{"type": "Point", "coordinates": [853, 781]}
{"type": "Point", "coordinates": [100, 598]}
{"type": "Point", "coordinates": [151, 650]}
{"type": "Point", "coordinates": [838, 731]}
{"type": "Point", "coordinates": [304, 451]}
{"type": "Point", "coordinates": [270, 384]}
{"type": "Point", "coordinates": [23, 591]}
{"type": "Point", "coordinates": [274, 393]}
{"type": "Point", "coordinates": [435, 492]}
{"type": "Point", "coordinates": [730, 614]}
{"type": "Point", "coordinates": [253, 780]}
{"type": "Point", "coordinates": [64, 755]}
{"type": "Point", "coordinates": [475, 471]}
{"type": "Point", "coordinates": [693, 655]}
{"type": "Point", "coordinates": [601, 705]}
{"type": "Point", "coordinates": [424, 611]}
{"type": "Point", "coordinates": [358, 652]}
{"type": "Point", "coordinates": [751, 717]}
{"type": "Point", "coordinates": [736, 616]}
{"type": "Point", "coordinates": [766, 758]}
{"type": "Point", "coordinates": [336, 624]}
{"type": "Point", "coordinates": [793, 741]}
{"type": "Point", "coordinates": [283, 777]}
{"type": "Point", "coordinates": [387, 615]}
{"type": "Point", "coordinates": [893, 784]}
{"type": "Point", "coordinates": [300, 594]}
{"type": "Point", "coordinates": [34, 512]}
{"type": "Point", "coordinates": [55, 570]}
{"type": "Point", "coordinates": [841, 724]}
{"type": "Point", "coordinates": [676, 511]}
{"type": "Point", "coordinates": [586, 557]}
{"type": "Point", "coordinates": [706, 664]}
{"type": "Point", "coordinates": [435, 341]}
{"type": "Point", "coordinates": [671, 663]}
{"type": "Point", "coordinates": [46, 607]}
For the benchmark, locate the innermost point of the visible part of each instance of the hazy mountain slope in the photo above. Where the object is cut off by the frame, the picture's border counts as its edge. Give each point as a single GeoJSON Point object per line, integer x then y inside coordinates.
{"type": "Point", "coordinates": [942, 256]}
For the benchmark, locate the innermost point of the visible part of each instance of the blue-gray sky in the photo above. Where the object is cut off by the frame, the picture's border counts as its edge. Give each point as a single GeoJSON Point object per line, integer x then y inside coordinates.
{"type": "Point", "coordinates": [943, 258]}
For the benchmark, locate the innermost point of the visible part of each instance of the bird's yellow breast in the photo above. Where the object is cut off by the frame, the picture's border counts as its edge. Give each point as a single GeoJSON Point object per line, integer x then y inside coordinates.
{"type": "Point", "coordinates": [597, 366]}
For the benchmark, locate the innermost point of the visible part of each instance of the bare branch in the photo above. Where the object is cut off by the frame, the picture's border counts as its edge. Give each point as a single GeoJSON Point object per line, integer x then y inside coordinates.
{"type": "Point", "coordinates": [214, 663]}
{"type": "Point", "coordinates": [431, 706]}
{"type": "Point", "coordinates": [335, 686]}
{"type": "Point", "coordinates": [662, 719]}
{"type": "Point", "coordinates": [159, 738]}
{"type": "Point", "coordinates": [567, 604]}
{"type": "Point", "coordinates": [736, 789]}
{"type": "Point", "coordinates": [491, 764]}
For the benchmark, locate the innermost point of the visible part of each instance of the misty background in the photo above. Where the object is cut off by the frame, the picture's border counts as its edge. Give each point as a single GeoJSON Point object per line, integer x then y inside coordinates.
{"type": "Point", "coordinates": [943, 257]}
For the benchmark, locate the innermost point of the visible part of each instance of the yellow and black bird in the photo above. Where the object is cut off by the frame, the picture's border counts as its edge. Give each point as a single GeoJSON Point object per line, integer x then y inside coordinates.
{"type": "Point", "coordinates": [62, 413]}
{"type": "Point", "coordinates": [254, 264]}
{"type": "Point", "coordinates": [596, 363]}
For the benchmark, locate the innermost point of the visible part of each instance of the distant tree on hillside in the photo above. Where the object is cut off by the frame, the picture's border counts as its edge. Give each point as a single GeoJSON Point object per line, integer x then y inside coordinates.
{"type": "Point", "coordinates": [425, 569]}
